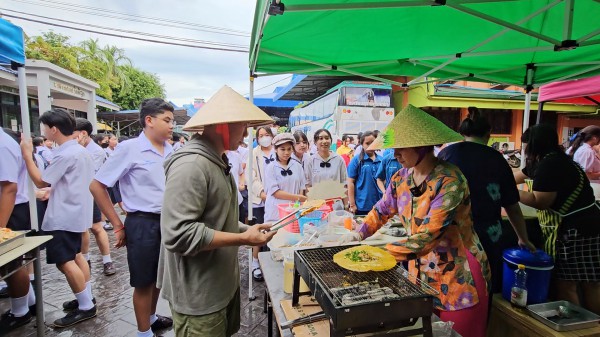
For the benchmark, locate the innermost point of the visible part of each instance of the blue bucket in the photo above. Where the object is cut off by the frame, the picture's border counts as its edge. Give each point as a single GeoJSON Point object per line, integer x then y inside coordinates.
{"type": "Point", "coordinates": [538, 266]}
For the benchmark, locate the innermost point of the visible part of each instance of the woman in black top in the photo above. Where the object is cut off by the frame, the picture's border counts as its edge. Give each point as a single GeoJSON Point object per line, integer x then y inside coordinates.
{"type": "Point", "coordinates": [569, 217]}
{"type": "Point", "coordinates": [492, 187]}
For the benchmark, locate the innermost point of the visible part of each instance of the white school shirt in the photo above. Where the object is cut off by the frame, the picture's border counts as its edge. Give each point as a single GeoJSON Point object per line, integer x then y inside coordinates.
{"type": "Point", "coordinates": [315, 173]}
{"type": "Point", "coordinates": [12, 166]}
{"type": "Point", "coordinates": [236, 170]}
{"type": "Point", "coordinates": [138, 167]}
{"type": "Point", "coordinates": [70, 174]}
{"type": "Point", "coordinates": [275, 181]}
{"type": "Point", "coordinates": [301, 161]}
{"type": "Point", "coordinates": [586, 157]}
{"type": "Point", "coordinates": [243, 152]}
{"type": "Point", "coordinates": [97, 153]}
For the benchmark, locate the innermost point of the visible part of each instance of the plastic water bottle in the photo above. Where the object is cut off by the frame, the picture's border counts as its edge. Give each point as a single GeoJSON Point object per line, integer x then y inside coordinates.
{"type": "Point", "coordinates": [518, 294]}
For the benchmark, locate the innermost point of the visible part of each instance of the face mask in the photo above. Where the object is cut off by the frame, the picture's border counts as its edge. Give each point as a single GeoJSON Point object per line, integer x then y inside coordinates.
{"type": "Point", "coordinates": [274, 130]}
{"type": "Point", "coordinates": [265, 141]}
{"type": "Point", "coordinates": [104, 145]}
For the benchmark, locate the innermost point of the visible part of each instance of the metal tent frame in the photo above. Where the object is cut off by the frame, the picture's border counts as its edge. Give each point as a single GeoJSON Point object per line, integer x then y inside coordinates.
{"type": "Point", "coordinates": [546, 43]}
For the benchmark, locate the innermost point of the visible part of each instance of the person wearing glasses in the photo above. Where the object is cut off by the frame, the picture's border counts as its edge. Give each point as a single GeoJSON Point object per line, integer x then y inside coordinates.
{"type": "Point", "coordinates": [137, 164]}
{"type": "Point", "coordinates": [432, 198]}
{"type": "Point", "coordinates": [284, 178]}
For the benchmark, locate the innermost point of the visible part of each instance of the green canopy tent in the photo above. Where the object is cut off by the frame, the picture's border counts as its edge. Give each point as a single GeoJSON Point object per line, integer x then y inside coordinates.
{"type": "Point", "coordinates": [525, 43]}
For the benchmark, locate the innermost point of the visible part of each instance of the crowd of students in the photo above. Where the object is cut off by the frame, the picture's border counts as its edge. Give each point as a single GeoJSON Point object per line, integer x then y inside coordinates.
{"type": "Point", "coordinates": [450, 203]}
{"type": "Point", "coordinates": [79, 178]}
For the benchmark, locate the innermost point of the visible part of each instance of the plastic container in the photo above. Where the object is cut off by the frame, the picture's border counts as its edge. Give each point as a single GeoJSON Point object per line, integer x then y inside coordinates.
{"type": "Point", "coordinates": [518, 292]}
{"type": "Point", "coordinates": [538, 266]}
{"type": "Point", "coordinates": [337, 218]}
{"type": "Point", "coordinates": [314, 219]}
{"type": "Point", "coordinates": [288, 275]}
{"type": "Point", "coordinates": [294, 227]}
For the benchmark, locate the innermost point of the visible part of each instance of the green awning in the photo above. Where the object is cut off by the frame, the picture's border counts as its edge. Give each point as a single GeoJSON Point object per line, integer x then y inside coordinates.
{"type": "Point", "coordinates": [480, 40]}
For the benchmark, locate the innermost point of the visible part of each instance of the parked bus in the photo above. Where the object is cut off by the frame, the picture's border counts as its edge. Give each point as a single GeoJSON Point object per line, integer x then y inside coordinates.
{"type": "Point", "coordinates": [348, 108]}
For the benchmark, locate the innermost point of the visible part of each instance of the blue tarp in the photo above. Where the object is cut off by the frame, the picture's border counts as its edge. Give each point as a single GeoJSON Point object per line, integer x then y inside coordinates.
{"type": "Point", "coordinates": [11, 43]}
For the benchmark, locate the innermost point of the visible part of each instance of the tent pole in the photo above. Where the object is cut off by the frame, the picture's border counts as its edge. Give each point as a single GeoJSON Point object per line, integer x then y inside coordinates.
{"type": "Point", "coordinates": [249, 189]}
{"type": "Point", "coordinates": [25, 121]}
{"type": "Point", "coordinates": [527, 111]}
{"type": "Point", "coordinates": [539, 112]}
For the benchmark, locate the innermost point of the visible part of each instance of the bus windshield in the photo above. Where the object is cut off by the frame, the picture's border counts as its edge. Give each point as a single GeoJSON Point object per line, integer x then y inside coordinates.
{"type": "Point", "coordinates": [369, 97]}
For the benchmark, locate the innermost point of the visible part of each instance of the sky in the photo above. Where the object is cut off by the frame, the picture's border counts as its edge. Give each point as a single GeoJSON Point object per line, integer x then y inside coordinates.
{"type": "Point", "coordinates": [186, 73]}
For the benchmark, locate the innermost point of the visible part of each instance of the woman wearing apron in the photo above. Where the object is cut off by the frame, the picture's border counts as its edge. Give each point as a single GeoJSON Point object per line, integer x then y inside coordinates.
{"type": "Point", "coordinates": [568, 214]}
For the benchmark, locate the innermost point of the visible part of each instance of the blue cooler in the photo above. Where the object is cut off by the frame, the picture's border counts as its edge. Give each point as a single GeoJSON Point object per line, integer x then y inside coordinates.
{"type": "Point", "coordinates": [538, 266]}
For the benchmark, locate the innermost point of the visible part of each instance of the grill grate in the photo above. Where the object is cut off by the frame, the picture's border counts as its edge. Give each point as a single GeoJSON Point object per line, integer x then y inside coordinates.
{"type": "Point", "coordinates": [350, 288]}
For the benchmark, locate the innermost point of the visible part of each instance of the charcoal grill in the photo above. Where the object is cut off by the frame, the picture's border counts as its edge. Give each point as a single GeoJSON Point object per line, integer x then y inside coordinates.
{"type": "Point", "coordinates": [369, 302]}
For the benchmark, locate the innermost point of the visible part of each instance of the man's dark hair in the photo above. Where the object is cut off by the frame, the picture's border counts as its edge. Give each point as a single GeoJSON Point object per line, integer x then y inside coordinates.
{"type": "Point", "coordinates": [345, 137]}
{"type": "Point", "coordinates": [153, 107]}
{"type": "Point", "coordinates": [59, 118]}
{"type": "Point", "coordinates": [38, 141]}
{"type": "Point", "coordinates": [82, 124]}
{"type": "Point", "coordinates": [99, 137]}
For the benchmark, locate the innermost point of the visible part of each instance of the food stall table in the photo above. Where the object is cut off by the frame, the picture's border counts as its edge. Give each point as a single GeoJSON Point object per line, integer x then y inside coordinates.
{"type": "Point", "coordinates": [506, 321]}
{"type": "Point", "coordinates": [274, 295]}
{"type": "Point", "coordinates": [30, 245]}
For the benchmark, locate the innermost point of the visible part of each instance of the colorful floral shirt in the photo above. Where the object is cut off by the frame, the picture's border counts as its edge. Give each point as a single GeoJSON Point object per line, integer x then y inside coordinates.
{"type": "Point", "coordinates": [440, 228]}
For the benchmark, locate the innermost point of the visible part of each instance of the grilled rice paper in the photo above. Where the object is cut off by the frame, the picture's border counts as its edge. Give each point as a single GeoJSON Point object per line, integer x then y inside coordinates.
{"type": "Point", "coordinates": [365, 258]}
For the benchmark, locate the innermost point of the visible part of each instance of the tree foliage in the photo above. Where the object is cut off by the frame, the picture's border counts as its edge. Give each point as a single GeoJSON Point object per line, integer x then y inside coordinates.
{"type": "Point", "coordinates": [108, 66]}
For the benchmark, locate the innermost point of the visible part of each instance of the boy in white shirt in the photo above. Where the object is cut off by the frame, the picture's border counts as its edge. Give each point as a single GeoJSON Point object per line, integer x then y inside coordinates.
{"type": "Point", "coordinates": [14, 214]}
{"type": "Point", "coordinates": [69, 208]}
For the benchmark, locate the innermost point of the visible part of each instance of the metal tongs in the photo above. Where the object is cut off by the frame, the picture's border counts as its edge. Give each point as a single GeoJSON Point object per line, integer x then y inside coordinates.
{"type": "Point", "coordinates": [306, 208]}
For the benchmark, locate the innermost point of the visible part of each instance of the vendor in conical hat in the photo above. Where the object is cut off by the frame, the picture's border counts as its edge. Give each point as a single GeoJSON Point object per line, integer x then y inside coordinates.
{"type": "Point", "coordinates": [432, 199]}
{"type": "Point", "coordinates": [198, 268]}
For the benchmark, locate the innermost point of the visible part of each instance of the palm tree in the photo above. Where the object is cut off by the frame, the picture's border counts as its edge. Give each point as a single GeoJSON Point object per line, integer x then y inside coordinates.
{"type": "Point", "coordinates": [115, 60]}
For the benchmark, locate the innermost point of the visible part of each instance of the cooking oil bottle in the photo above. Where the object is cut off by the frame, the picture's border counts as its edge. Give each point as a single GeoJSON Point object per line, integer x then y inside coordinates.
{"type": "Point", "coordinates": [518, 293]}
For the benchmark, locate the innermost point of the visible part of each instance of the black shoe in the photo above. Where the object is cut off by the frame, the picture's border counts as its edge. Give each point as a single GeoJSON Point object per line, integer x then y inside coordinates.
{"type": "Point", "coordinates": [257, 275]}
{"type": "Point", "coordinates": [74, 304]}
{"type": "Point", "coordinates": [90, 265]}
{"type": "Point", "coordinates": [75, 317]}
{"type": "Point", "coordinates": [109, 269]}
{"type": "Point", "coordinates": [161, 323]}
{"type": "Point", "coordinates": [32, 310]}
{"type": "Point", "coordinates": [9, 322]}
{"type": "Point", "coordinates": [4, 292]}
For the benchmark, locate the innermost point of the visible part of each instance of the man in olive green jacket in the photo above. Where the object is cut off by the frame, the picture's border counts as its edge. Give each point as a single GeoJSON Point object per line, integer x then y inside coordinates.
{"type": "Point", "coordinates": [198, 266]}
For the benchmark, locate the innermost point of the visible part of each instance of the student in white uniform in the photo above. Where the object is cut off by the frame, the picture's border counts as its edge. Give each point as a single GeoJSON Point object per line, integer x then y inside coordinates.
{"type": "Point", "coordinates": [583, 152]}
{"type": "Point", "coordinates": [137, 164]}
{"type": "Point", "coordinates": [69, 210]}
{"type": "Point", "coordinates": [237, 171]}
{"type": "Point", "coordinates": [263, 155]}
{"type": "Point", "coordinates": [83, 134]}
{"type": "Point", "coordinates": [14, 214]}
{"type": "Point", "coordinates": [284, 178]}
{"type": "Point", "coordinates": [300, 153]}
{"type": "Point", "coordinates": [325, 164]}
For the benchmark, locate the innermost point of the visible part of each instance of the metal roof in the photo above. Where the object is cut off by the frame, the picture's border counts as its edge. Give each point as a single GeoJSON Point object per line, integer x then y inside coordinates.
{"type": "Point", "coordinates": [306, 88]}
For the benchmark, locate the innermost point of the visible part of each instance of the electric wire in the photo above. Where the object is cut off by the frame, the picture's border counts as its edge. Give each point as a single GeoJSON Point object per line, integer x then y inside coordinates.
{"type": "Point", "coordinates": [131, 31]}
{"type": "Point", "coordinates": [268, 85]}
{"type": "Point", "coordinates": [138, 18]}
{"type": "Point", "coordinates": [124, 36]}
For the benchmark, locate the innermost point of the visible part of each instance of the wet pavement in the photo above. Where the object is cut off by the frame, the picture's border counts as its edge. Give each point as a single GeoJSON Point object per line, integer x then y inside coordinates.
{"type": "Point", "coordinates": [115, 308]}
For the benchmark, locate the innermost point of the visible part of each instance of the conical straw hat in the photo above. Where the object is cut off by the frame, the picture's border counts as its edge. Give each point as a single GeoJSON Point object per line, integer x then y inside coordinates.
{"type": "Point", "coordinates": [413, 127]}
{"type": "Point", "coordinates": [227, 106]}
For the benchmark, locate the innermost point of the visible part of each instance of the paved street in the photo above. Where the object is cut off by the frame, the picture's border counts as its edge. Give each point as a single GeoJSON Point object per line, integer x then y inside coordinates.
{"type": "Point", "coordinates": [115, 308]}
